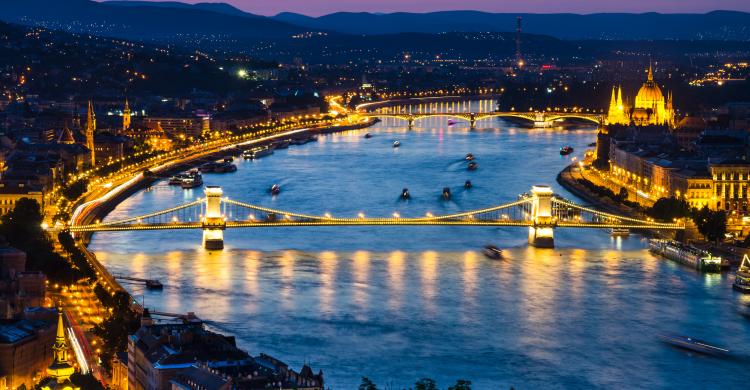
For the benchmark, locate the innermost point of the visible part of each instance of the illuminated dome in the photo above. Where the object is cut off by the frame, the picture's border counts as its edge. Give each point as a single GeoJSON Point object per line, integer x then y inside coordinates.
{"type": "Point", "coordinates": [650, 94]}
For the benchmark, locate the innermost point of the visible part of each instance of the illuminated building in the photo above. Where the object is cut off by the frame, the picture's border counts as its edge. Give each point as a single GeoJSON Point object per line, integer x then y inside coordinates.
{"type": "Point", "coordinates": [731, 181]}
{"type": "Point", "coordinates": [651, 107]}
{"type": "Point", "coordinates": [126, 116]}
{"type": "Point", "coordinates": [617, 114]}
{"type": "Point", "coordinates": [90, 129]}
{"type": "Point", "coordinates": [60, 370]}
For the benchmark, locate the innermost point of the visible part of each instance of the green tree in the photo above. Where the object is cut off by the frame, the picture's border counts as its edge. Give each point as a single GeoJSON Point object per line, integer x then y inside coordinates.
{"type": "Point", "coordinates": [367, 384]}
{"type": "Point", "coordinates": [425, 384]}
{"type": "Point", "coordinates": [461, 384]}
{"type": "Point", "coordinates": [711, 224]}
{"type": "Point", "coordinates": [115, 329]}
{"type": "Point", "coordinates": [667, 209]}
{"type": "Point", "coordinates": [22, 228]}
{"type": "Point", "coordinates": [623, 194]}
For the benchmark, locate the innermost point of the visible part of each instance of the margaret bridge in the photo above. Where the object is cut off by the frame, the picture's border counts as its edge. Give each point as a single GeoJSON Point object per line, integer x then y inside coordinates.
{"type": "Point", "coordinates": [540, 210]}
{"type": "Point", "coordinates": [539, 119]}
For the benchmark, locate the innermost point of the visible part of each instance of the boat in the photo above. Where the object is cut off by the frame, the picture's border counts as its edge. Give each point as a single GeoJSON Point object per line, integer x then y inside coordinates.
{"type": "Point", "coordinates": [492, 252]}
{"type": "Point", "coordinates": [446, 193]}
{"type": "Point", "coordinates": [303, 140]}
{"type": "Point", "coordinates": [153, 284]}
{"type": "Point", "coordinates": [472, 166]}
{"type": "Point", "coordinates": [566, 150]}
{"type": "Point", "coordinates": [192, 181]}
{"type": "Point", "coordinates": [619, 232]}
{"type": "Point", "coordinates": [368, 135]}
{"type": "Point", "coordinates": [396, 144]}
{"type": "Point", "coordinates": [177, 179]}
{"type": "Point", "coordinates": [254, 153]}
{"type": "Point", "coordinates": [405, 194]}
{"type": "Point", "coordinates": [687, 254]}
{"type": "Point", "coordinates": [275, 189]}
{"type": "Point", "coordinates": [281, 144]}
{"type": "Point", "coordinates": [207, 167]}
{"type": "Point", "coordinates": [467, 184]}
{"type": "Point", "coordinates": [225, 167]}
{"type": "Point", "coordinates": [228, 159]}
{"type": "Point", "coordinates": [469, 157]}
{"type": "Point", "coordinates": [591, 145]}
{"type": "Point", "coordinates": [742, 276]}
{"type": "Point", "coordinates": [693, 344]}
{"type": "Point", "coordinates": [451, 122]}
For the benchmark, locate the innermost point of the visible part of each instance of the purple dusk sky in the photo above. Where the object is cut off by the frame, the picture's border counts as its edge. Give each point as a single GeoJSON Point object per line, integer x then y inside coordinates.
{"type": "Point", "coordinates": [321, 7]}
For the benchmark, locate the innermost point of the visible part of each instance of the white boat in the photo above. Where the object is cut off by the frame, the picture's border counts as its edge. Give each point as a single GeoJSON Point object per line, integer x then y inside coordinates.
{"type": "Point", "coordinates": [619, 232]}
{"type": "Point", "coordinates": [396, 144]}
{"type": "Point", "coordinates": [687, 254]}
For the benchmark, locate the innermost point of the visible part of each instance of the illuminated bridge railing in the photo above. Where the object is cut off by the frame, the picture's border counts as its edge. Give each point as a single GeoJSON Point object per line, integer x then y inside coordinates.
{"type": "Point", "coordinates": [241, 215]}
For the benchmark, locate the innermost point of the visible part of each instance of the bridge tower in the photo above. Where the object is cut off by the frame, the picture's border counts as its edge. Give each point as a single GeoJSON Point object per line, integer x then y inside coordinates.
{"type": "Point", "coordinates": [541, 234]}
{"type": "Point", "coordinates": [473, 120]}
{"type": "Point", "coordinates": [540, 120]}
{"type": "Point", "coordinates": [213, 222]}
{"type": "Point", "coordinates": [410, 119]}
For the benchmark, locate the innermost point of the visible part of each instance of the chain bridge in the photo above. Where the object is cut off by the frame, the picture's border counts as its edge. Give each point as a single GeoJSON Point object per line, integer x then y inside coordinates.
{"type": "Point", "coordinates": [540, 210]}
{"type": "Point", "coordinates": [539, 119]}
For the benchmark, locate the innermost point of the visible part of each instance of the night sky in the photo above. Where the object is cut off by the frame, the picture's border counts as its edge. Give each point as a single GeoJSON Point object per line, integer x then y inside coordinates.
{"type": "Point", "coordinates": [321, 7]}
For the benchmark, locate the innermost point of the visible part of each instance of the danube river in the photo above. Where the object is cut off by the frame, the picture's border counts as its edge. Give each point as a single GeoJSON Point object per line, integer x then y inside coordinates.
{"type": "Point", "coordinates": [399, 303]}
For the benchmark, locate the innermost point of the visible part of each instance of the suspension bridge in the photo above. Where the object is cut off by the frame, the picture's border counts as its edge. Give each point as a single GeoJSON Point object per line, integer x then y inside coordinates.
{"type": "Point", "coordinates": [539, 210]}
{"type": "Point", "coordinates": [539, 119]}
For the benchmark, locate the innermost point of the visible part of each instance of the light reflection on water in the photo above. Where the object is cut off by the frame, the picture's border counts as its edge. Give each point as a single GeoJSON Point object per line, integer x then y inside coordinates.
{"type": "Point", "coordinates": [396, 304]}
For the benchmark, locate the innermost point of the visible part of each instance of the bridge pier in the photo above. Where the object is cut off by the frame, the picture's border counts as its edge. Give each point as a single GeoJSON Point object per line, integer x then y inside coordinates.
{"type": "Point", "coordinates": [411, 123]}
{"type": "Point", "coordinates": [213, 222]}
{"type": "Point", "coordinates": [542, 233]}
{"type": "Point", "coordinates": [472, 121]}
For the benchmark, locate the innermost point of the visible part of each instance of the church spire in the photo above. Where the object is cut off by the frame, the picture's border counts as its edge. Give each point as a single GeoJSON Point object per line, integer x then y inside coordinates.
{"type": "Point", "coordinates": [60, 370]}
{"type": "Point", "coordinates": [613, 102]}
{"type": "Point", "coordinates": [126, 116]}
{"type": "Point", "coordinates": [90, 129]}
{"type": "Point", "coordinates": [619, 98]}
{"type": "Point", "coordinates": [650, 71]}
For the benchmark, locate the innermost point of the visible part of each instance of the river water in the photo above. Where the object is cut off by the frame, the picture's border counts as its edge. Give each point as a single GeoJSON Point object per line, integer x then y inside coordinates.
{"type": "Point", "coordinates": [399, 303]}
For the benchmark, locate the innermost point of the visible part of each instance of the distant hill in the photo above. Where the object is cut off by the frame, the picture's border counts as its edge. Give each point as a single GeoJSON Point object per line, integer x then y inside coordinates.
{"type": "Point", "coordinates": [222, 8]}
{"type": "Point", "coordinates": [145, 21]}
{"type": "Point", "coordinates": [716, 25]}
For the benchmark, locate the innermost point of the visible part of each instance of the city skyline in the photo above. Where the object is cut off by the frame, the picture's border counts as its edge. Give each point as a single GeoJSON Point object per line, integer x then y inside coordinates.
{"type": "Point", "coordinates": [321, 7]}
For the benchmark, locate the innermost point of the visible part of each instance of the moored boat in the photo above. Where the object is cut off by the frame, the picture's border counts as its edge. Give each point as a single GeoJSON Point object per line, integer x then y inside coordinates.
{"type": "Point", "coordinates": [368, 135]}
{"type": "Point", "coordinates": [687, 254]}
{"type": "Point", "coordinates": [566, 150]}
{"type": "Point", "coordinates": [619, 232]}
{"type": "Point", "coordinates": [469, 157]}
{"type": "Point", "coordinates": [467, 184]}
{"type": "Point", "coordinates": [472, 166]}
{"type": "Point", "coordinates": [396, 144]}
{"type": "Point", "coordinates": [177, 179]}
{"type": "Point", "coordinates": [192, 181]}
{"type": "Point", "coordinates": [275, 189]}
{"type": "Point", "coordinates": [254, 153]}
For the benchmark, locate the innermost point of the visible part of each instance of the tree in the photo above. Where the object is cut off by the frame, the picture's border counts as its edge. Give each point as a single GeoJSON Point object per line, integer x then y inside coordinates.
{"type": "Point", "coordinates": [367, 384]}
{"type": "Point", "coordinates": [118, 326]}
{"type": "Point", "coordinates": [623, 194]}
{"type": "Point", "coordinates": [711, 224]}
{"type": "Point", "coordinates": [425, 384]}
{"type": "Point", "coordinates": [461, 384]}
{"type": "Point", "coordinates": [22, 228]}
{"type": "Point", "coordinates": [667, 209]}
